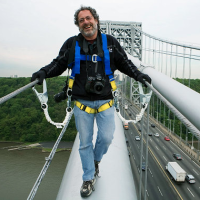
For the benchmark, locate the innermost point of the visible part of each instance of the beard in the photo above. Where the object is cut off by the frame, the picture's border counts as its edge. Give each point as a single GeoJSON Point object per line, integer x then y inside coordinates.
{"type": "Point", "coordinates": [91, 32]}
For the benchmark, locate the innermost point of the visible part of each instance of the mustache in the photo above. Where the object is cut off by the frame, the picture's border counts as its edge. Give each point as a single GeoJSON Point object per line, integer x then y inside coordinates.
{"type": "Point", "coordinates": [81, 28]}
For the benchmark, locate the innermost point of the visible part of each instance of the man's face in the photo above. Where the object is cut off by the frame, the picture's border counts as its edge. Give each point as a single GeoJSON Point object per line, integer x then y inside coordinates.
{"type": "Point", "coordinates": [87, 24]}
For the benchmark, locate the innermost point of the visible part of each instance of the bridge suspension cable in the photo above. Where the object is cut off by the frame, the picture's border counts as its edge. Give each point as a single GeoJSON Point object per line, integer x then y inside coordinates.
{"type": "Point", "coordinates": [167, 41]}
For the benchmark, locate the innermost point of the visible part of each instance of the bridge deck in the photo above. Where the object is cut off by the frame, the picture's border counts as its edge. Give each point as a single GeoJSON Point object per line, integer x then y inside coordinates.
{"type": "Point", "coordinates": [116, 181]}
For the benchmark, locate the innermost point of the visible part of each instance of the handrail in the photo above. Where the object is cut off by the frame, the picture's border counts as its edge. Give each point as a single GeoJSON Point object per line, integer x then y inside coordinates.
{"type": "Point", "coordinates": [16, 92]}
{"type": "Point", "coordinates": [49, 158]}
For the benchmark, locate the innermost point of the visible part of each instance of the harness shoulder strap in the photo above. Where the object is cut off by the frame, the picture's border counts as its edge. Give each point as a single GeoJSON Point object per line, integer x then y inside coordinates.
{"type": "Point", "coordinates": [75, 65]}
{"type": "Point", "coordinates": [106, 55]}
{"type": "Point", "coordinates": [108, 70]}
{"type": "Point", "coordinates": [72, 52]}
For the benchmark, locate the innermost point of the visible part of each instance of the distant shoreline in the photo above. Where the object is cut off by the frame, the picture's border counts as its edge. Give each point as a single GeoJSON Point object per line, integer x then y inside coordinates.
{"type": "Point", "coordinates": [62, 144]}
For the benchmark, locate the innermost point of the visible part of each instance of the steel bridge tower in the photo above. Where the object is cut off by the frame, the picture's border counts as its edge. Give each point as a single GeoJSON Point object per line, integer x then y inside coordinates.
{"type": "Point", "coordinates": [131, 41]}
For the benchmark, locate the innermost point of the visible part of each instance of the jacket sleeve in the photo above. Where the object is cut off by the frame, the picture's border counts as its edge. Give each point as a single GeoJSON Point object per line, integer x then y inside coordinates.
{"type": "Point", "coordinates": [121, 61]}
{"type": "Point", "coordinates": [59, 64]}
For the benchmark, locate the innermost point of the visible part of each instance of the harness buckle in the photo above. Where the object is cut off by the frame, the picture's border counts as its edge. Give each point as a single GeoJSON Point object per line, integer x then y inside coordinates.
{"type": "Point", "coordinates": [83, 107]}
{"type": "Point", "coordinates": [94, 58]}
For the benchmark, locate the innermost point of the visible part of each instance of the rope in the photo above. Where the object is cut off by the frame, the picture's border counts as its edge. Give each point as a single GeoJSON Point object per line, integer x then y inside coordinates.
{"type": "Point", "coordinates": [144, 100]}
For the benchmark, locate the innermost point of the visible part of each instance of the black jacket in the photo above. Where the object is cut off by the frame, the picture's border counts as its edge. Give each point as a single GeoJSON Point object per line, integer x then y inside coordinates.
{"type": "Point", "coordinates": [118, 60]}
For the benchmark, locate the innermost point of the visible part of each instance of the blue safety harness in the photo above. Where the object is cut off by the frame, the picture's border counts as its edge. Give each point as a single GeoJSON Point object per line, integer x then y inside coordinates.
{"type": "Point", "coordinates": [94, 58]}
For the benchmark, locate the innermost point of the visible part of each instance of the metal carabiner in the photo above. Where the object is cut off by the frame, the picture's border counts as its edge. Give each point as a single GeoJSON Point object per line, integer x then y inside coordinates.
{"type": "Point", "coordinates": [144, 98]}
{"type": "Point", "coordinates": [43, 97]}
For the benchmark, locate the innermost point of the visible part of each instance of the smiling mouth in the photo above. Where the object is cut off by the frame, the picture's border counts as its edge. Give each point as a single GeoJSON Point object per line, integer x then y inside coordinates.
{"type": "Point", "coordinates": [87, 27]}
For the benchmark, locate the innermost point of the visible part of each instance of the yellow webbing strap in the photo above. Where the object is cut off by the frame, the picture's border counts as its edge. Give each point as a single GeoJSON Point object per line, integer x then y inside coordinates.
{"type": "Point", "coordinates": [92, 110]}
{"type": "Point", "coordinates": [71, 82]}
{"type": "Point", "coordinates": [85, 108]}
{"type": "Point", "coordinates": [105, 106]}
{"type": "Point", "coordinates": [113, 85]}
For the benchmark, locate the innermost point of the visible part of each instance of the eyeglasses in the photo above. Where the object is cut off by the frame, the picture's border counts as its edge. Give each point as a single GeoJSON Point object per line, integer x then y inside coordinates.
{"type": "Point", "coordinates": [88, 18]}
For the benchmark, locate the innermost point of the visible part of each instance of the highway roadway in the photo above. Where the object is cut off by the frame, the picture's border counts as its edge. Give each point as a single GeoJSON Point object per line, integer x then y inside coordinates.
{"type": "Point", "coordinates": [160, 184]}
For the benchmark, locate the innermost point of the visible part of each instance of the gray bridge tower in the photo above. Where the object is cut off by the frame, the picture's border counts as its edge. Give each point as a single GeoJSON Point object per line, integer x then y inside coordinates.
{"type": "Point", "coordinates": [131, 40]}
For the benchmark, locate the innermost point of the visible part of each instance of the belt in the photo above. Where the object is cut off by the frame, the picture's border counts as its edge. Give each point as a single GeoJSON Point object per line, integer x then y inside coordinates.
{"type": "Point", "coordinates": [89, 110]}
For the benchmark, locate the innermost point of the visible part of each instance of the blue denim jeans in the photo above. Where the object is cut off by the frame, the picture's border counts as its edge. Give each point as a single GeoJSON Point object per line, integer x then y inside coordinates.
{"type": "Point", "coordinates": [85, 124]}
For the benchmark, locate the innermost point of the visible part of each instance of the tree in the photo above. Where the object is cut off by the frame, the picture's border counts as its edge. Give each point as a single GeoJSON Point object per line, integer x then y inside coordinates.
{"type": "Point", "coordinates": [22, 119]}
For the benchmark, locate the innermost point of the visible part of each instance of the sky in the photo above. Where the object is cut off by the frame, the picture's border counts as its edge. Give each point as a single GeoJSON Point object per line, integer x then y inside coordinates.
{"type": "Point", "coordinates": [33, 31]}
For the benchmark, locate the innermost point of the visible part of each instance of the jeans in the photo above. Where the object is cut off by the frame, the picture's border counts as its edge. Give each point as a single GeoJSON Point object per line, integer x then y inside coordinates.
{"type": "Point", "coordinates": [85, 124]}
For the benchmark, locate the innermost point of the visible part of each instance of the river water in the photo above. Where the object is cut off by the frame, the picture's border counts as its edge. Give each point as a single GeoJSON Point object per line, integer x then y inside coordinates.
{"type": "Point", "coordinates": [19, 170]}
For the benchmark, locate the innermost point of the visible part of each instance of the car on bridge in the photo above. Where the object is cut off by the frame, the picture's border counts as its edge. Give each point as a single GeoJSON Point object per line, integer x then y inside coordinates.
{"type": "Point", "coordinates": [126, 125]}
{"type": "Point", "coordinates": [153, 125]}
{"type": "Point", "coordinates": [177, 156]}
{"type": "Point", "coordinates": [156, 134]}
{"type": "Point", "coordinates": [190, 179]}
{"type": "Point", "coordinates": [137, 138]}
{"type": "Point", "coordinates": [167, 138]}
{"type": "Point", "coordinates": [143, 166]}
{"type": "Point", "coordinates": [150, 134]}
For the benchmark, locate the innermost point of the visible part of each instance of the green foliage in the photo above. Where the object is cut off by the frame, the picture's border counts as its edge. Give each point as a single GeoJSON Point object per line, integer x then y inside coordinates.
{"type": "Point", "coordinates": [192, 83]}
{"type": "Point", "coordinates": [22, 119]}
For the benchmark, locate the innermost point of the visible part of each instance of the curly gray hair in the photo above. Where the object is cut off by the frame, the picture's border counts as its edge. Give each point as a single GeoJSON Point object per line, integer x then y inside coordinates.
{"type": "Point", "coordinates": [93, 12]}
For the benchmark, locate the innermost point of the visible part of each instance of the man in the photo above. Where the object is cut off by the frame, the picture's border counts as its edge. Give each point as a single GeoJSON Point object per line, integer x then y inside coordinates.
{"type": "Point", "coordinates": [93, 58]}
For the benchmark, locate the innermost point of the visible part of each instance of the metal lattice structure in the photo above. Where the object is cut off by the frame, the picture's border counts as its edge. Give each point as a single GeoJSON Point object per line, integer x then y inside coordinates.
{"type": "Point", "coordinates": [131, 41]}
